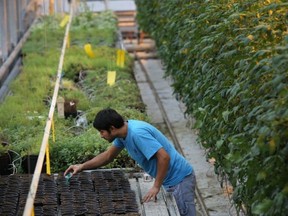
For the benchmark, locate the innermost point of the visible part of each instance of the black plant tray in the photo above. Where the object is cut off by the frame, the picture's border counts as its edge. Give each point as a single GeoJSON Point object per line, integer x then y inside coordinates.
{"type": "Point", "coordinates": [91, 193]}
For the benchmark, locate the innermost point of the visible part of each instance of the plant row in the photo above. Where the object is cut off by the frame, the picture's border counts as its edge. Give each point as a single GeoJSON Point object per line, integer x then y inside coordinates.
{"type": "Point", "coordinates": [229, 63]}
{"type": "Point", "coordinates": [24, 112]}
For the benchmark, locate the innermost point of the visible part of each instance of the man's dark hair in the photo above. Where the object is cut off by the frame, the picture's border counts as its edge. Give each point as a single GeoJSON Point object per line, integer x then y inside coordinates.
{"type": "Point", "coordinates": [106, 118]}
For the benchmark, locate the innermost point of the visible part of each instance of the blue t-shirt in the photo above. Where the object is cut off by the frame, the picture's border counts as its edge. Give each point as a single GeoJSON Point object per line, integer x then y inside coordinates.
{"type": "Point", "coordinates": [143, 141]}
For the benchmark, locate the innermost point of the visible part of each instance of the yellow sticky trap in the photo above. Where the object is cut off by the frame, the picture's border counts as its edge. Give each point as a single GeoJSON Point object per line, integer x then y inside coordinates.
{"type": "Point", "coordinates": [111, 77]}
{"type": "Point", "coordinates": [48, 169]}
{"type": "Point", "coordinates": [89, 51]}
{"type": "Point", "coordinates": [64, 21]}
{"type": "Point", "coordinates": [120, 58]}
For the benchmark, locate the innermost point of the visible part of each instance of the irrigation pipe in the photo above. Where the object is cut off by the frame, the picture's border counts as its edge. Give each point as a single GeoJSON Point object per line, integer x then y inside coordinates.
{"type": "Point", "coordinates": [36, 176]}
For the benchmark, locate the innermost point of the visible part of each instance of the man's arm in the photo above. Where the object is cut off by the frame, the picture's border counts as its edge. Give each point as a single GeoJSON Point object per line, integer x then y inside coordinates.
{"type": "Point", "coordinates": [163, 160]}
{"type": "Point", "coordinates": [100, 160]}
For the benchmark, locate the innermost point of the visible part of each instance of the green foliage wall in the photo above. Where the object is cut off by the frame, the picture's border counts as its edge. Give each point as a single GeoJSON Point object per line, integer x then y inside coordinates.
{"type": "Point", "coordinates": [229, 63]}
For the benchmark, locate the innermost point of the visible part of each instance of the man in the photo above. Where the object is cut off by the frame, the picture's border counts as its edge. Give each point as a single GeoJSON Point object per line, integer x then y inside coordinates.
{"type": "Point", "coordinates": [151, 150]}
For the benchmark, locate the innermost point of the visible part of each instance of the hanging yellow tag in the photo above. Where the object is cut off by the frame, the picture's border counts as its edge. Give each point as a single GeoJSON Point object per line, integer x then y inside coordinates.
{"type": "Point", "coordinates": [111, 77]}
{"type": "Point", "coordinates": [64, 21]}
{"type": "Point", "coordinates": [48, 169]}
{"type": "Point", "coordinates": [89, 51]}
{"type": "Point", "coordinates": [120, 58]}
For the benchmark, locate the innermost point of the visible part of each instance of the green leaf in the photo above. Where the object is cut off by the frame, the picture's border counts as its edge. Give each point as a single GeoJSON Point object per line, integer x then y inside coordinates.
{"type": "Point", "coordinates": [219, 143]}
{"type": "Point", "coordinates": [262, 207]}
{"type": "Point", "coordinates": [225, 115]}
{"type": "Point", "coordinates": [198, 124]}
{"type": "Point", "coordinates": [234, 89]}
{"type": "Point", "coordinates": [261, 175]}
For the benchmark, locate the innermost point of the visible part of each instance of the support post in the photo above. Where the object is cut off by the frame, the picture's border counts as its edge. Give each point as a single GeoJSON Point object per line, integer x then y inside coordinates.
{"type": "Point", "coordinates": [4, 33]}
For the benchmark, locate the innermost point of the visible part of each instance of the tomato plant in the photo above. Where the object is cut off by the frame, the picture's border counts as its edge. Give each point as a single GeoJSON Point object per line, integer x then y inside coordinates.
{"type": "Point", "coordinates": [228, 61]}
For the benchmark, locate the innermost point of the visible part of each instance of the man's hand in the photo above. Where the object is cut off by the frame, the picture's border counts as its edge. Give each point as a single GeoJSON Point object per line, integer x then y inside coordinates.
{"type": "Point", "coordinates": [151, 195]}
{"type": "Point", "coordinates": [74, 169]}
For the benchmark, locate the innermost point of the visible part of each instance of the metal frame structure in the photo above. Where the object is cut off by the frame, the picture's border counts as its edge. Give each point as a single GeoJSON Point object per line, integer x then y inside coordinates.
{"type": "Point", "coordinates": [15, 18]}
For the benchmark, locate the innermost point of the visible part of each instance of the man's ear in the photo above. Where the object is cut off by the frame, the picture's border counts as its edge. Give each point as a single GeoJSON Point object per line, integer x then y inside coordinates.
{"type": "Point", "coordinates": [112, 128]}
